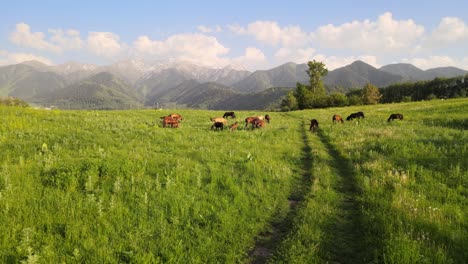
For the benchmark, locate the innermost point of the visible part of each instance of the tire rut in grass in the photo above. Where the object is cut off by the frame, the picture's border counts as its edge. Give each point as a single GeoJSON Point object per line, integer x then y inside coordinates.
{"type": "Point", "coordinates": [344, 243]}
{"type": "Point", "coordinates": [279, 228]}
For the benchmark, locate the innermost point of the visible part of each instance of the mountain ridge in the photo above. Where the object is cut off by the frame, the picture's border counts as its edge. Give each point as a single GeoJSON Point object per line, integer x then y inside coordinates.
{"type": "Point", "coordinates": [188, 84]}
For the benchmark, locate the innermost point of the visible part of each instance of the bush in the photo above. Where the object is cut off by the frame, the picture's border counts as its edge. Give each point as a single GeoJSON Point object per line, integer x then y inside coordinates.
{"type": "Point", "coordinates": [406, 99]}
{"type": "Point", "coordinates": [12, 101]}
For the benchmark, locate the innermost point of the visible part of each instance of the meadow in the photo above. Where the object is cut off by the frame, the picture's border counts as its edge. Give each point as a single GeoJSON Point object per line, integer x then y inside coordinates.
{"type": "Point", "coordinates": [116, 187]}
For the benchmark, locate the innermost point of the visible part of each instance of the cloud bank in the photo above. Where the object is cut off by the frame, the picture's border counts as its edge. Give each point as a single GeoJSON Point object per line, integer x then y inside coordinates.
{"type": "Point", "coordinates": [261, 44]}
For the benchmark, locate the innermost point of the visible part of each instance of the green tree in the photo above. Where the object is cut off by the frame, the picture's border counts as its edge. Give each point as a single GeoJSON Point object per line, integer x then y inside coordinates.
{"type": "Point", "coordinates": [316, 71]}
{"type": "Point", "coordinates": [303, 96]}
{"type": "Point", "coordinates": [337, 99]}
{"type": "Point", "coordinates": [370, 94]}
{"type": "Point", "coordinates": [289, 103]}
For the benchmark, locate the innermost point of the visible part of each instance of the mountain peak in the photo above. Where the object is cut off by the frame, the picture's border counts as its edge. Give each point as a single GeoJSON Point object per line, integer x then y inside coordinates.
{"type": "Point", "coordinates": [361, 63]}
{"type": "Point", "coordinates": [35, 64]}
{"type": "Point", "coordinates": [234, 67]}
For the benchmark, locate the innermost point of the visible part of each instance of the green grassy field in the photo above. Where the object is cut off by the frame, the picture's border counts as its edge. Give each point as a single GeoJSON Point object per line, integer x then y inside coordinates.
{"type": "Point", "coordinates": [114, 186]}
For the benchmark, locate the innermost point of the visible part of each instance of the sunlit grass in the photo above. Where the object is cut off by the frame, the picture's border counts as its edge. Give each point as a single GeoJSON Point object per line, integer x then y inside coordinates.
{"type": "Point", "coordinates": [114, 186]}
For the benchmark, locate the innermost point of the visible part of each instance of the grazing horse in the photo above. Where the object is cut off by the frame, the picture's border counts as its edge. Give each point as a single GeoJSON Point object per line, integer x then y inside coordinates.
{"type": "Point", "coordinates": [249, 120]}
{"type": "Point", "coordinates": [231, 114]}
{"type": "Point", "coordinates": [395, 116]}
{"type": "Point", "coordinates": [167, 120]}
{"type": "Point", "coordinates": [257, 123]}
{"type": "Point", "coordinates": [176, 116]}
{"type": "Point", "coordinates": [219, 120]}
{"type": "Point", "coordinates": [217, 126]}
{"type": "Point", "coordinates": [313, 125]}
{"type": "Point", "coordinates": [337, 118]}
{"type": "Point", "coordinates": [233, 126]}
{"type": "Point", "coordinates": [352, 116]}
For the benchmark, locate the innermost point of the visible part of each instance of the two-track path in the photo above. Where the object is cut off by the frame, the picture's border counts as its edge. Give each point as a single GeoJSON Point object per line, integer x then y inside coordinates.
{"type": "Point", "coordinates": [345, 234]}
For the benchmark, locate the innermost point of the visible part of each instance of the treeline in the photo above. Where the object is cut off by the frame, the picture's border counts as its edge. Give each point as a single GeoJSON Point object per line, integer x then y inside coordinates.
{"type": "Point", "coordinates": [12, 101]}
{"type": "Point", "coordinates": [443, 88]}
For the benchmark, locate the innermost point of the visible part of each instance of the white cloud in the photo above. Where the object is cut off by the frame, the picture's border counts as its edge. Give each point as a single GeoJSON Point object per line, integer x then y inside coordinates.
{"type": "Point", "coordinates": [205, 29]}
{"type": "Point", "coordinates": [66, 40]}
{"type": "Point", "coordinates": [7, 58]}
{"type": "Point", "coordinates": [294, 55]}
{"type": "Point", "coordinates": [252, 56]}
{"type": "Point", "coordinates": [449, 30]}
{"type": "Point", "coordinates": [383, 35]}
{"type": "Point", "coordinates": [59, 41]}
{"type": "Point", "coordinates": [237, 29]}
{"type": "Point", "coordinates": [434, 61]}
{"type": "Point", "coordinates": [24, 37]}
{"type": "Point", "coordinates": [106, 44]}
{"type": "Point", "coordinates": [269, 32]}
{"type": "Point", "coordinates": [197, 48]}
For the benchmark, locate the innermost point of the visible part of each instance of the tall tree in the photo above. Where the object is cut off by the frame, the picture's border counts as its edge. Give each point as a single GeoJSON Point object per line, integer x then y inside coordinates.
{"type": "Point", "coordinates": [316, 71]}
{"type": "Point", "coordinates": [370, 94]}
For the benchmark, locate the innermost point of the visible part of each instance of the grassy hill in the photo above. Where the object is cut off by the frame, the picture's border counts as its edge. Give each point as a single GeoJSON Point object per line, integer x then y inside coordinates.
{"type": "Point", "coordinates": [101, 91]}
{"type": "Point", "coordinates": [24, 82]}
{"type": "Point", "coordinates": [114, 186]}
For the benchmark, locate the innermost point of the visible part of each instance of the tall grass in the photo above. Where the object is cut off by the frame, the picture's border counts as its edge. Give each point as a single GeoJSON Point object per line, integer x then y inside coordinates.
{"type": "Point", "coordinates": [114, 186]}
{"type": "Point", "coordinates": [411, 179]}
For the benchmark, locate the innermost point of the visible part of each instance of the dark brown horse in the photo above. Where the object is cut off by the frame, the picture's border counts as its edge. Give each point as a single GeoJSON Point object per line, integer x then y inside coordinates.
{"type": "Point", "coordinates": [257, 123]}
{"type": "Point", "coordinates": [267, 118]}
{"type": "Point", "coordinates": [313, 125]}
{"type": "Point", "coordinates": [229, 114]}
{"type": "Point", "coordinates": [337, 118]}
{"type": "Point", "coordinates": [395, 116]}
{"type": "Point", "coordinates": [352, 116]}
{"type": "Point", "coordinates": [217, 126]}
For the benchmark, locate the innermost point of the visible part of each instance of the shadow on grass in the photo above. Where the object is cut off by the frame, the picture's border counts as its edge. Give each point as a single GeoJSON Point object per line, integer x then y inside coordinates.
{"type": "Point", "coordinates": [269, 241]}
{"type": "Point", "coordinates": [345, 241]}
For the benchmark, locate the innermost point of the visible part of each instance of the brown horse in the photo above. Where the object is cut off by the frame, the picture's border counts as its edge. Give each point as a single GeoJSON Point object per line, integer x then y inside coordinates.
{"type": "Point", "coordinates": [167, 120]}
{"type": "Point", "coordinates": [234, 126]}
{"type": "Point", "coordinates": [337, 118]}
{"type": "Point", "coordinates": [395, 116]}
{"type": "Point", "coordinates": [176, 116]}
{"type": "Point", "coordinates": [313, 125]}
{"type": "Point", "coordinates": [249, 120]}
{"type": "Point", "coordinates": [257, 123]}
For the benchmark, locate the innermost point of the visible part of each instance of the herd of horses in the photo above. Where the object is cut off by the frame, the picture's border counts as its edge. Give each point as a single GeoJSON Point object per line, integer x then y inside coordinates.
{"type": "Point", "coordinates": [337, 118]}
{"type": "Point", "coordinates": [219, 123]}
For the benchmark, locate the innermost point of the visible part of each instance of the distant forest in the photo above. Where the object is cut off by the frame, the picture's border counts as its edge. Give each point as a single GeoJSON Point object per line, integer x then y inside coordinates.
{"type": "Point", "coordinates": [442, 88]}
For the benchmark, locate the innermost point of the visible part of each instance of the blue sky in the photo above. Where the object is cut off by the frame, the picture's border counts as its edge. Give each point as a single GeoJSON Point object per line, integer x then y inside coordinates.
{"type": "Point", "coordinates": [254, 34]}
